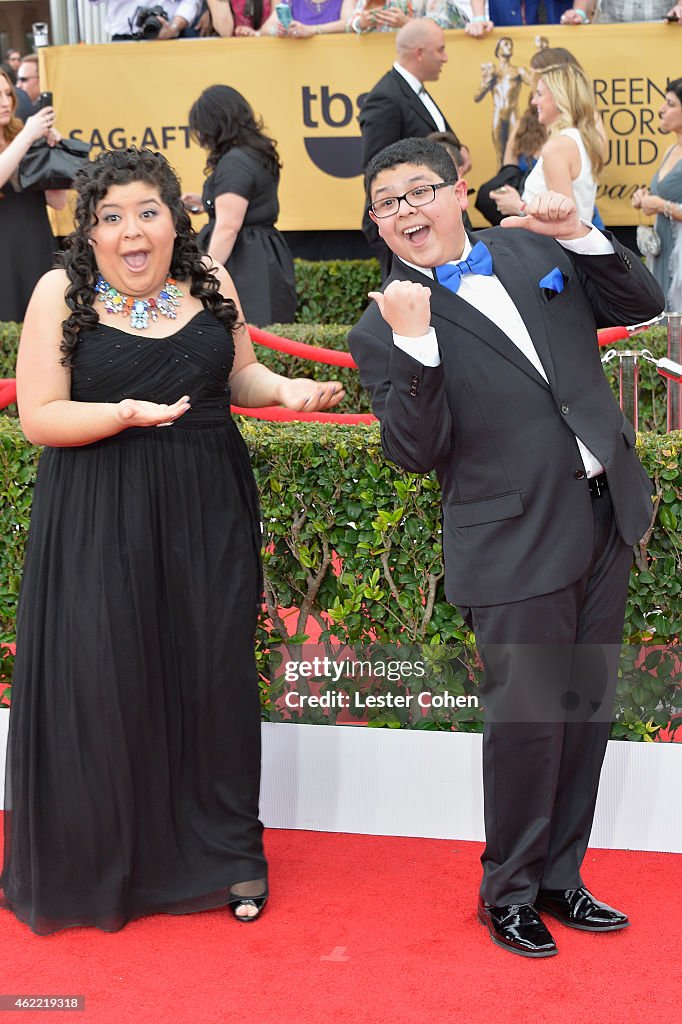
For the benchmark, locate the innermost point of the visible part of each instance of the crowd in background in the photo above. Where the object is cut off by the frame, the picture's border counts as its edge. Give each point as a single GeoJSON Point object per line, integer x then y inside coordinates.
{"type": "Point", "coordinates": [306, 18]}
{"type": "Point", "coordinates": [302, 19]}
{"type": "Point", "coordinates": [557, 143]}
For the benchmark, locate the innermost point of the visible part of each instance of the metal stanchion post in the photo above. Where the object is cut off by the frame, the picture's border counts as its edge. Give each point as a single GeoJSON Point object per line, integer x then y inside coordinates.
{"type": "Point", "coordinates": [628, 382]}
{"type": "Point", "coordinates": [675, 355]}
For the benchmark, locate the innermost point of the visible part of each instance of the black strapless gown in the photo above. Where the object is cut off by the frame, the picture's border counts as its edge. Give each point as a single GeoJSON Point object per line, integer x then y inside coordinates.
{"type": "Point", "coordinates": [134, 750]}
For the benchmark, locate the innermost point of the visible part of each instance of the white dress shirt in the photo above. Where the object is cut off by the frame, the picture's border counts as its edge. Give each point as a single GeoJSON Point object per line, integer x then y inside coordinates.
{"type": "Point", "coordinates": [418, 88]}
{"type": "Point", "coordinates": [489, 296]}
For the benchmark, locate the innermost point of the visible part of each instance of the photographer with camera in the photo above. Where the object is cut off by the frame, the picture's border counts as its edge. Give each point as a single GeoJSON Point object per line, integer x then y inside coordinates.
{"type": "Point", "coordinates": [129, 20]}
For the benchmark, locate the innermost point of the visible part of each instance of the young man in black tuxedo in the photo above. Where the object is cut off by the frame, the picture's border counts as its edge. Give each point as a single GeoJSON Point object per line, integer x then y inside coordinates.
{"type": "Point", "coordinates": [483, 365]}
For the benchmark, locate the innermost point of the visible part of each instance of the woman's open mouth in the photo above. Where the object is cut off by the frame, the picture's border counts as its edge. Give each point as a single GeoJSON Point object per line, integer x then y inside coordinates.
{"type": "Point", "coordinates": [137, 260]}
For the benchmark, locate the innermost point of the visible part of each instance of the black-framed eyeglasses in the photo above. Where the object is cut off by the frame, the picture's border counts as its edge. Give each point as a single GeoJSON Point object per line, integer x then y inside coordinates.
{"type": "Point", "coordinates": [418, 196]}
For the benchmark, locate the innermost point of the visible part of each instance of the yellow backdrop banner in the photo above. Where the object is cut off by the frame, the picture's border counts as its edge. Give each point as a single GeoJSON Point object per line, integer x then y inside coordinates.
{"type": "Point", "coordinates": [308, 93]}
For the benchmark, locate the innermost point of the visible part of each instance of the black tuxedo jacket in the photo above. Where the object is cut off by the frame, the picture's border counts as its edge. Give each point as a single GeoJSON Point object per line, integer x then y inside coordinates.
{"type": "Point", "coordinates": [517, 516]}
{"type": "Point", "coordinates": [392, 111]}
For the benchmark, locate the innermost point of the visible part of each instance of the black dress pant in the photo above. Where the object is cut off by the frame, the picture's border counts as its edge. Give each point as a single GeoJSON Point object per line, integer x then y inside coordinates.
{"type": "Point", "coordinates": [551, 667]}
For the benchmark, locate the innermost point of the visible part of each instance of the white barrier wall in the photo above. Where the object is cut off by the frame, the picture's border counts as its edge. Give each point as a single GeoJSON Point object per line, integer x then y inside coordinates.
{"type": "Point", "coordinates": [399, 782]}
{"type": "Point", "coordinates": [413, 783]}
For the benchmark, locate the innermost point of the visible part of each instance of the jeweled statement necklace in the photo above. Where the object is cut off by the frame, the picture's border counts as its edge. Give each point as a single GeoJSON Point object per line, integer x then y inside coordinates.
{"type": "Point", "coordinates": [140, 311]}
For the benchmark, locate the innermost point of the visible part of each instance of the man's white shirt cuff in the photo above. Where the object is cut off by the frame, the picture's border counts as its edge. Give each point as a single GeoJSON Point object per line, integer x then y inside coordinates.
{"type": "Point", "coordinates": [424, 349]}
{"type": "Point", "coordinates": [594, 244]}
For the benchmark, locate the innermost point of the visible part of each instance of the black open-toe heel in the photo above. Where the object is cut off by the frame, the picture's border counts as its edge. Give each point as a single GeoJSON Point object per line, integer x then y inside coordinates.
{"type": "Point", "coordinates": [249, 901]}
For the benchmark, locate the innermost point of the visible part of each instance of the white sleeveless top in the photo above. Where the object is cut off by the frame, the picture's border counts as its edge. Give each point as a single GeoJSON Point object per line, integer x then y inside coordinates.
{"type": "Point", "coordinates": [584, 186]}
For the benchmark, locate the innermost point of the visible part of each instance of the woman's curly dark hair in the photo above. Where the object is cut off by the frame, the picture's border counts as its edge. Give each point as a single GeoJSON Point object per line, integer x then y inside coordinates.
{"type": "Point", "coordinates": [221, 119]}
{"type": "Point", "coordinates": [120, 167]}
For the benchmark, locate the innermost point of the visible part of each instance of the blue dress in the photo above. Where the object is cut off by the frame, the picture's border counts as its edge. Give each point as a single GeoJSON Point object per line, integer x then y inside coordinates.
{"type": "Point", "coordinates": [516, 12]}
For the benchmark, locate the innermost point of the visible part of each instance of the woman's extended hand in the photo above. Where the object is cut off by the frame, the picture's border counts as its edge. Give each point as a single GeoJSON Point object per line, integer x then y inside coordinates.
{"type": "Point", "coordinates": [390, 17]}
{"type": "Point", "coordinates": [300, 31]}
{"type": "Point", "coordinates": [134, 413]}
{"type": "Point", "coordinates": [650, 204]}
{"type": "Point", "coordinates": [305, 395]}
{"type": "Point", "coordinates": [637, 197]}
{"type": "Point", "coordinates": [192, 202]}
{"type": "Point", "coordinates": [507, 200]}
{"type": "Point", "coordinates": [572, 17]}
{"type": "Point", "coordinates": [478, 29]}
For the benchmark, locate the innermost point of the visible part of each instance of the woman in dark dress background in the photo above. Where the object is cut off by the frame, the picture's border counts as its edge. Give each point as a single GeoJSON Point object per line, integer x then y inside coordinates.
{"type": "Point", "coordinates": [133, 758]}
{"type": "Point", "coordinates": [26, 242]}
{"type": "Point", "coordinates": [240, 197]}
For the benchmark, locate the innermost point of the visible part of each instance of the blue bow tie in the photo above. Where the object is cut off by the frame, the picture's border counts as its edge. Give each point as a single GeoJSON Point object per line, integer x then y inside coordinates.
{"type": "Point", "coordinates": [479, 261]}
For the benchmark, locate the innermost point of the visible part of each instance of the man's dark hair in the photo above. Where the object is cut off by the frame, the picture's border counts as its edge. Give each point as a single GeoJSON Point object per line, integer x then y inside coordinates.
{"type": "Point", "coordinates": [422, 152]}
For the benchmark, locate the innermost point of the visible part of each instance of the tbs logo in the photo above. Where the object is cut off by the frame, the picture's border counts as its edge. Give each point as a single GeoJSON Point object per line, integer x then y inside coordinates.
{"type": "Point", "coordinates": [336, 155]}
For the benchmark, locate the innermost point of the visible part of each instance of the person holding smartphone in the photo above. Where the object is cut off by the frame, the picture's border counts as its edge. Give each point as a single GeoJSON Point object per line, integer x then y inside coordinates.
{"type": "Point", "coordinates": [302, 20]}
{"type": "Point", "coordinates": [26, 241]}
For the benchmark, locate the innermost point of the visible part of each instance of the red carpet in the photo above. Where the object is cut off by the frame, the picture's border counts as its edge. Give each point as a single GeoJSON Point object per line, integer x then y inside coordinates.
{"type": "Point", "coordinates": [367, 930]}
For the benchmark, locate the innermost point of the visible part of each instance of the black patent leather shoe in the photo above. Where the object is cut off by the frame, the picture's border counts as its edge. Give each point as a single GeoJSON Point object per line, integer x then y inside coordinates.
{"type": "Point", "coordinates": [518, 928]}
{"type": "Point", "coordinates": [578, 908]}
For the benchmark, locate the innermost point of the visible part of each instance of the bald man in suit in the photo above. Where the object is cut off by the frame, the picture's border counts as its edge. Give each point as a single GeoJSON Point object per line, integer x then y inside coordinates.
{"type": "Point", "coordinates": [399, 107]}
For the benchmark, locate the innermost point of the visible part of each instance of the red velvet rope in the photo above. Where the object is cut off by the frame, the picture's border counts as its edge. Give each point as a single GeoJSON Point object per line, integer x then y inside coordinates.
{"type": "Point", "coordinates": [298, 348]}
{"type": "Point", "coordinates": [8, 393]}
{"type": "Point", "coordinates": [610, 335]}
{"type": "Point", "coordinates": [275, 412]}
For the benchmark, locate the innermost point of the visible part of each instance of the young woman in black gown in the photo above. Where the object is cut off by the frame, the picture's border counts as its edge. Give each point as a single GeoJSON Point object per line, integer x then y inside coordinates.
{"type": "Point", "coordinates": [240, 197]}
{"type": "Point", "coordinates": [134, 748]}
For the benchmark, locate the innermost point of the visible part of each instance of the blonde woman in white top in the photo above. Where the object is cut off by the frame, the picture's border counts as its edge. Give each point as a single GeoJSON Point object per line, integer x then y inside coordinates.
{"type": "Point", "coordinates": [572, 158]}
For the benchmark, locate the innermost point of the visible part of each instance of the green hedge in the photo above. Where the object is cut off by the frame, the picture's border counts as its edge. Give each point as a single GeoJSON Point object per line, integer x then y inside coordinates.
{"type": "Point", "coordinates": [334, 291]}
{"type": "Point", "coordinates": [354, 543]}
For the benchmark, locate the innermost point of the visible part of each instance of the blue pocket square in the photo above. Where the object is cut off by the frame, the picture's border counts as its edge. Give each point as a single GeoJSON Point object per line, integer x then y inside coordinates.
{"type": "Point", "coordinates": [554, 281]}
